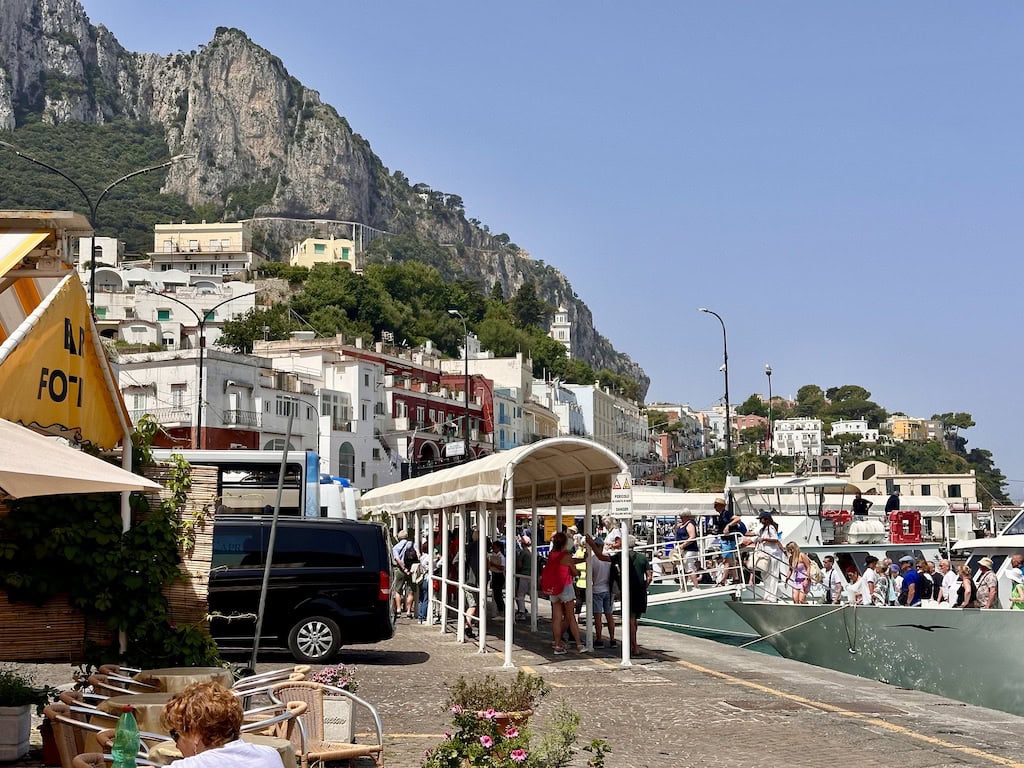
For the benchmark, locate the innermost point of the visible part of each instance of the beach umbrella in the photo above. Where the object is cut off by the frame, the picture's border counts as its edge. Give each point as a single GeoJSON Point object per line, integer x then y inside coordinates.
{"type": "Point", "coordinates": [34, 465]}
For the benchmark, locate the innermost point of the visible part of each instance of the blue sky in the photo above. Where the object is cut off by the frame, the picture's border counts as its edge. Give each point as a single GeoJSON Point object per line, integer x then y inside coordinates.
{"type": "Point", "coordinates": [841, 182]}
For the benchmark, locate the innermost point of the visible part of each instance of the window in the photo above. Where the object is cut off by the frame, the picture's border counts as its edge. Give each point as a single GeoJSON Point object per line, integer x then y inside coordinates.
{"type": "Point", "coordinates": [237, 548]}
{"type": "Point", "coordinates": [138, 402]}
{"type": "Point", "coordinates": [319, 248]}
{"type": "Point", "coordinates": [225, 267]}
{"type": "Point", "coordinates": [362, 469]}
{"type": "Point", "coordinates": [954, 490]}
{"type": "Point", "coordinates": [168, 246]}
{"type": "Point", "coordinates": [214, 244]}
{"type": "Point", "coordinates": [211, 315]}
{"type": "Point", "coordinates": [926, 490]}
{"type": "Point", "coordinates": [193, 245]}
{"type": "Point", "coordinates": [225, 244]}
{"type": "Point", "coordinates": [347, 461]}
{"type": "Point", "coordinates": [101, 312]}
{"type": "Point", "coordinates": [277, 444]}
{"type": "Point", "coordinates": [345, 254]}
{"type": "Point", "coordinates": [163, 315]}
{"type": "Point", "coordinates": [317, 547]}
{"type": "Point", "coordinates": [177, 395]}
{"type": "Point", "coordinates": [362, 411]}
{"type": "Point", "coordinates": [419, 414]}
{"type": "Point", "coordinates": [284, 406]}
{"type": "Point", "coordinates": [376, 454]}
{"type": "Point", "coordinates": [366, 379]}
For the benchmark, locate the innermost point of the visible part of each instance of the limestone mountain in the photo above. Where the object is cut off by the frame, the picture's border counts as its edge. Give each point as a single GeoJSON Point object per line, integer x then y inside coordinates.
{"type": "Point", "coordinates": [264, 145]}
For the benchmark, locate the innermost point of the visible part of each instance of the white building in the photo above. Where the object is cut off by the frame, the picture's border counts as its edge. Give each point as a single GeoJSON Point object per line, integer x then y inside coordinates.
{"type": "Point", "coordinates": [617, 424]}
{"type": "Point", "coordinates": [561, 401]}
{"type": "Point", "coordinates": [212, 251]}
{"type": "Point", "coordinates": [561, 329]}
{"type": "Point", "coordinates": [797, 437]}
{"type": "Point", "coordinates": [109, 253]}
{"type": "Point", "coordinates": [857, 427]}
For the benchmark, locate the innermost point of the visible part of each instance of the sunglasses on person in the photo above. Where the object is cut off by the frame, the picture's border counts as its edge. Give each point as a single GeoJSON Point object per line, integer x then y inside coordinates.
{"type": "Point", "coordinates": [175, 736]}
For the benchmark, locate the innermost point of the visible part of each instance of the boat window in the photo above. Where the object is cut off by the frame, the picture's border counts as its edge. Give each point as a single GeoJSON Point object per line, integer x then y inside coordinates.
{"type": "Point", "coordinates": [997, 560]}
{"type": "Point", "coordinates": [851, 563]}
{"type": "Point", "coordinates": [896, 554]}
{"type": "Point", "coordinates": [1016, 525]}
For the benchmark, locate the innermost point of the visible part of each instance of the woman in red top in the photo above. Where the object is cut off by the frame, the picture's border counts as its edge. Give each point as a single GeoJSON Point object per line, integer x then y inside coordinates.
{"type": "Point", "coordinates": [563, 604]}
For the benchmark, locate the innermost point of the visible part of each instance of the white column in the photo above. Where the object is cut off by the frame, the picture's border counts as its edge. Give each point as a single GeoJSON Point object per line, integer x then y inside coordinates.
{"type": "Point", "coordinates": [445, 560]}
{"type": "Point", "coordinates": [482, 575]}
{"type": "Point", "coordinates": [510, 567]}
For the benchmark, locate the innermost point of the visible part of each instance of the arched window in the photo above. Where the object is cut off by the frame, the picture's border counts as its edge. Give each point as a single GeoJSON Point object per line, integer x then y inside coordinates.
{"type": "Point", "coordinates": [277, 444]}
{"type": "Point", "coordinates": [347, 461]}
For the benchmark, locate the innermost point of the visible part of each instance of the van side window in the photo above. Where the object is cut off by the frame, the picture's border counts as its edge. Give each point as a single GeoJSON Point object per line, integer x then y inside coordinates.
{"type": "Point", "coordinates": [314, 547]}
{"type": "Point", "coordinates": [237, 547]}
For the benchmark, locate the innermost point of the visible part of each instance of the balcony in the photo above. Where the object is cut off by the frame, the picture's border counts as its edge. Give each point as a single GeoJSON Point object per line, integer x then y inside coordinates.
{"type": "Point", "coordinates": [242, 418]}
{"type": "Point", "coordinates": [166, 416]}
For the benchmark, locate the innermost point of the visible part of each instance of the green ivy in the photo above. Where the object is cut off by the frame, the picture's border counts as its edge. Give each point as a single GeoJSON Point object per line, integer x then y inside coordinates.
{"type": "Point", "coordinates": [74, 544]}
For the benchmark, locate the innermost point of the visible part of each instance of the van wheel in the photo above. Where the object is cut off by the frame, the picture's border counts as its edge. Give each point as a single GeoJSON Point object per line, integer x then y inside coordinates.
{"type": "Point", "coordinates": [314, 639]}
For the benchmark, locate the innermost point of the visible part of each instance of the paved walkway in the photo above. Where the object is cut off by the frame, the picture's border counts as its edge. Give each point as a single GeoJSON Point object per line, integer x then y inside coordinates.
{"type": "Point", "coordinates": [687, 702]}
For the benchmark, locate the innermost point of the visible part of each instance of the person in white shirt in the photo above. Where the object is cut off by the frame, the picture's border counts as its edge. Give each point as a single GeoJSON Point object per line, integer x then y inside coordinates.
{"type": "Point", "coordinates": [600, 569]}
{"type": "Point", "coordinates": [833, 580]}
{"type": "Point", "coordinates": [950, 583]}
{"type": "Point", "coordinates": [205, 722]}
{"type": "Point", "coordinates": [867, 581]}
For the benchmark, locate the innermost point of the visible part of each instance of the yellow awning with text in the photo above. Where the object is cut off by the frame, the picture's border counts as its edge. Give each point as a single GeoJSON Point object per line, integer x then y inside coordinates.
{"type": "Point", "coordinates": [54, 373]}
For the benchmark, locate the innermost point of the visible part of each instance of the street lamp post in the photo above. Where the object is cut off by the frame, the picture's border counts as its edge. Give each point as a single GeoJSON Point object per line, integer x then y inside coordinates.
{"type": "Point", "coordinates": [725, 370]}
{"type": "Point", "coordinates": [92, 205]}
{"type": "Point", "coordinates": [201, 321]}
{"type": "Point", "coordinates": [771, 463]}
{"type": "Point", "coordinates": [465, 349]}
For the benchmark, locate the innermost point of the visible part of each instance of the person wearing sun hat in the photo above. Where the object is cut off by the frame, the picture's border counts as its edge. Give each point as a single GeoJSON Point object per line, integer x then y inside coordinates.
{"type": "Point", "coordinates": [988, 586]}
{"type": "Point", "coordinates": [1016, 578]}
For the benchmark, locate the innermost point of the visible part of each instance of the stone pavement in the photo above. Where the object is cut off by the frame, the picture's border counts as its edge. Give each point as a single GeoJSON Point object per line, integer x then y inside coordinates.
{"type": "Point", "coordinates": [687, 702]}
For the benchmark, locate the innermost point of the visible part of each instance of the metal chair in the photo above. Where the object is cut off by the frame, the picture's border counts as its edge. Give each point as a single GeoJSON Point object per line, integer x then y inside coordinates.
{"type": "Point", "coordinates": [310, 743]}
{"type": "Point", "coordinates": [282, 725]}
{"type": "Point", "coordinates": [106, 685]}
{"type": "Point", "coordinates": [99, 760]}
{"type": "Point", "coordinates": [70, 732]}
{"type": "Point", "coordinates": [266, 679]}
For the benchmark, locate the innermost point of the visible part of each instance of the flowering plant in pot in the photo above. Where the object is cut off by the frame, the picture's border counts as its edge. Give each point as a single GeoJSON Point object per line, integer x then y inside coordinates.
{"type": "Point", "coordinates": [338, 675]}
{"type": "Point", "coordinates": [18, 694]}
{"type": "Point", "coordinates": [508, 702]}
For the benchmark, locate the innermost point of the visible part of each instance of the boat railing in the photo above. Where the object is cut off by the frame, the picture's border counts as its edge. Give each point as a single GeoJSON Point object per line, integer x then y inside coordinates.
{"type": "Point", "coordinates": [708, 561]}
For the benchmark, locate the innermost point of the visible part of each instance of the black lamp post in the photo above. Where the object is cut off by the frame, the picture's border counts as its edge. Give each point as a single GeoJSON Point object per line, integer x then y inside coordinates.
{"type": "Point", "coordinates": [725, 370]}
{"type": "Point", "coordinates": [465, 349]}
{"type": "Point", "coordinates": [768, 373]}
{"type": "Point", "coordinates": [202, 348]}
{"type": "Point", "coordinates": [93, 206]}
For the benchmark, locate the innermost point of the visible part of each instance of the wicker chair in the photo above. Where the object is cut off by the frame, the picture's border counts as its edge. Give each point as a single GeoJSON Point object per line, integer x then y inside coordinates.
{"type": "Point", "coordinates": [98, 760]}
{"type": "Point", "coordinates": [309, 739]}
{"type": "Point", "coordinates": [281, 725]}
{"type": "Point", "coordinates": [264, 680]}
{"type": "Point", "coordinates": [70, 733]}
{"type": "Point", "coordinates": [107, 685]}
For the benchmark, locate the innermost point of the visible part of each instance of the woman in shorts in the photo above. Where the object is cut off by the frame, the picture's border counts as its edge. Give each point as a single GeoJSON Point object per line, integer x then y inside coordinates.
{"type": "Point", "coordinates": [563, 604]}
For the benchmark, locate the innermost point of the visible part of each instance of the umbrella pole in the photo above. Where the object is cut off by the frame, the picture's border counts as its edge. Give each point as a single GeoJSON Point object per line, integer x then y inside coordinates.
{"type": "Point", "coordinates": [270, 542]}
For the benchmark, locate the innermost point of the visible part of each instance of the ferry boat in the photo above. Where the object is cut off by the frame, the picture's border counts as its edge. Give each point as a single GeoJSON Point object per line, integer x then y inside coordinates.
{"type": "Point", "coordinates": [815, 512]}
{"type": "Point", "coordinates": [966, 654]}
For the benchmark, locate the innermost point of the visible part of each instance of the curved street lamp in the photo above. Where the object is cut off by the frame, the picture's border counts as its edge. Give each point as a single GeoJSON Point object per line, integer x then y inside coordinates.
{"type": "Point", "coordinates": [201, 321]}
{"type": "Point", "coordinates": [771, 463]}
{"type": "Point", "coordinates": [93, 206]}
{"type": "Point", "coordinates": [725, 370]}
{"type": "Point", "coordinates": [465, 349]}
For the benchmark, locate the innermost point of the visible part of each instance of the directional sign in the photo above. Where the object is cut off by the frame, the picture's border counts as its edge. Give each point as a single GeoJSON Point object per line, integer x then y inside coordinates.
{"type": "Point", "coordinates": [622, 495]}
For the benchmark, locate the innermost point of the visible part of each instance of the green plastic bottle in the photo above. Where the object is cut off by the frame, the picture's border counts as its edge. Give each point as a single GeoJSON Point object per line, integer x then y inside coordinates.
{"type": "Point", "coordinates": [126, 740]}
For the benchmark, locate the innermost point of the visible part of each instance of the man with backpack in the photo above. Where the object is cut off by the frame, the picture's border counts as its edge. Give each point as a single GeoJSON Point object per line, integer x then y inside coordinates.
{"type": "Point", "coordinates": [404, 557]}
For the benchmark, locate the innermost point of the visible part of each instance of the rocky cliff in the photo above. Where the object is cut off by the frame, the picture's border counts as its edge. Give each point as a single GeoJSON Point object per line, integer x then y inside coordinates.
{"type": "Point", "coordinates": [263, 143]}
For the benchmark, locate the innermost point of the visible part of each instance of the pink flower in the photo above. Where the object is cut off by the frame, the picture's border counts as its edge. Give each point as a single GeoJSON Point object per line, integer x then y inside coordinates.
{"type": "Point", "coordinates": [518, 755]}
{"type": "Point", "coordinates": [447, 734]}
{"type": "Point", "coordinates": [490, 713]}
{"type": "Point", "coordinates": [511, 732]}
{"type": "Point", "coordinates": [456, 710]}
{"type": "Point", "coordinates": [487, 741]}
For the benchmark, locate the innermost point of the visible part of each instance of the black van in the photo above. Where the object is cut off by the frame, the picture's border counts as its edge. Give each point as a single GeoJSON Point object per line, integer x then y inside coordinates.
{"type": "Point", "coordinates": [330, 585]}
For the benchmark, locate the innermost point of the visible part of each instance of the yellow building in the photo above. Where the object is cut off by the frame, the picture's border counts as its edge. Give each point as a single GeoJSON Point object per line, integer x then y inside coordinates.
{"type": "Point", "coordinates": [314, 250]}
{"type": "Point", "coordinates": [908, 429]}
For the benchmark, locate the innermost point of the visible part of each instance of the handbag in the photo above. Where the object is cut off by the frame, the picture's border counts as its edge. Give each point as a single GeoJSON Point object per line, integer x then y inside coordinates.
{"type": "Point", "coordinates": [762, 560]}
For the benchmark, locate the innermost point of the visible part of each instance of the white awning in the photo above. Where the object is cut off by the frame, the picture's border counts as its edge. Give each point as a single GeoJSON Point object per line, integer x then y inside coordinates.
{"type": "Point", "coordinates": [536, 468]}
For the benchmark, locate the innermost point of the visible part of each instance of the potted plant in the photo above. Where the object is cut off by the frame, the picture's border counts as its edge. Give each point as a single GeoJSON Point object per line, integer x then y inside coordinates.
{"type": "Point", "coordinates": [505, 703]}
{"type": "Point", "coordinates": [18, 694]}
{"type": "Point", "coordinates": [339, 724]}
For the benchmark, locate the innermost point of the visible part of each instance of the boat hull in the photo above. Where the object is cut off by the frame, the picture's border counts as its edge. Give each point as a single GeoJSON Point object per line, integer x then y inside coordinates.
{"type": "Point", "coordinates": [965, 654]}
{"type": "Point", "coordinates": [705, 616]}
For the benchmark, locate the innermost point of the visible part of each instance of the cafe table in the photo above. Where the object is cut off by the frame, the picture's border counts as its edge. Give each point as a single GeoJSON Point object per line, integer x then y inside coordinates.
{"type": "Point", "coordinates": [148, 708]}
{"type": "Point", "coordinates": [166, 752]}
{"type": "Point", "coordinates": [177, 679]}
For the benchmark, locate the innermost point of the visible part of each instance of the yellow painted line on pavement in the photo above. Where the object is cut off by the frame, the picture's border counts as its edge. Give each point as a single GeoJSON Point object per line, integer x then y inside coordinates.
{"type": "Point", "coordinates": [875, 721]}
